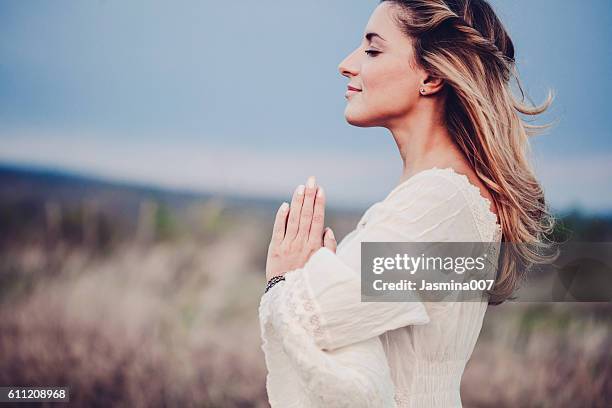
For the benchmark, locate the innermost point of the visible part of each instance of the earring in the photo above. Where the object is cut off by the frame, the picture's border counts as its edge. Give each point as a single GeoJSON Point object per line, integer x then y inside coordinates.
{"type": "Point", "coordinates": [423, 91]}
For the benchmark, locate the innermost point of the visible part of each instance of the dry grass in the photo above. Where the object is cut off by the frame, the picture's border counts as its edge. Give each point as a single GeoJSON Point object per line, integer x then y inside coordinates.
{"type": "Point", "coordinates": [542, 355]}
{"type": "Point", "coordinates": [172, 324]}
{"type": "Point", "coordinates": [175, 324]}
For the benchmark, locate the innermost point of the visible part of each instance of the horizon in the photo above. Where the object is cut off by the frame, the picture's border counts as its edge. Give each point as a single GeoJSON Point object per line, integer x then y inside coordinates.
{"type": "Point", "coordinates": [201, 193]}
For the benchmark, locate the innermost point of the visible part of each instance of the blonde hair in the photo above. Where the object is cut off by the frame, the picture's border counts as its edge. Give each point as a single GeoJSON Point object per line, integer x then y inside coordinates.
{"type": "Point", "coordinates": [463, 42]}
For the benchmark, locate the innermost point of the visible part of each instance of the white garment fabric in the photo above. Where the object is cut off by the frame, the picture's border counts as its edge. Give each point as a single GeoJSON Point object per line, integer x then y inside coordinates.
{"type": "Point", "coordinates": [323, 347]}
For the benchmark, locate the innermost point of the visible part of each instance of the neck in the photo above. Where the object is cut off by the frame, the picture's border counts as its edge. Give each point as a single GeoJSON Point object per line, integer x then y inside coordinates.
{"type": "Point", "coordinates": [424, 142]}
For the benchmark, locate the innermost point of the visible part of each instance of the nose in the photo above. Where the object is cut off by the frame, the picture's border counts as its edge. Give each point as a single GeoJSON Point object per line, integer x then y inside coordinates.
{"type": "Point", "coordinates": [348, 66]}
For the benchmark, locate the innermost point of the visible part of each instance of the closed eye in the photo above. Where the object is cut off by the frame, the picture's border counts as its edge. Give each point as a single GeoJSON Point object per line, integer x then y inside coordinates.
{"type": "Point", "coordinates": [372, 53]}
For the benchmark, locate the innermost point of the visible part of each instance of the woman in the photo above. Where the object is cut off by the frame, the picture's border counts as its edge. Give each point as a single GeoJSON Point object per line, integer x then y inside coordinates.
{"type": "Point", "coordinates": [436, 74]}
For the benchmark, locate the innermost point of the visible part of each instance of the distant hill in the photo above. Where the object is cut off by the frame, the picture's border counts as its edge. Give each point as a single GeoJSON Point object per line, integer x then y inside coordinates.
{"type": "Point", "coordinates": [27, 183]}
{"type": "Point", "coordinates": [32, 197]}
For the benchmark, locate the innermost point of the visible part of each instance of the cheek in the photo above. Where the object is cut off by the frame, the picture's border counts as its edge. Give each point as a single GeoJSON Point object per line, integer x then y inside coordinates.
{"type": "Point", "coordinates": [390, 87]}
{"type": "Point", "coordinates": [390, 90]}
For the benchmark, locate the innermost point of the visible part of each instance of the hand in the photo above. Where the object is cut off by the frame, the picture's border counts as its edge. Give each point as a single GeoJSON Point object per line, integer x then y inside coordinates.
{"type": "Point", "coordinates": [298, 230]}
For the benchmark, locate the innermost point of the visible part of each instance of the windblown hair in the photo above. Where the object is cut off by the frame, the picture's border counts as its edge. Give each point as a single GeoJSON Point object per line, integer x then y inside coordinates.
{"type": "Point", "coordinates": [464, 43]}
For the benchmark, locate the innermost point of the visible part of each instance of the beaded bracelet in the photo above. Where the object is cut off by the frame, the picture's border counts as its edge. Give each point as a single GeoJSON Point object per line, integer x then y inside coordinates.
{"type": "Point", "coordinates": [273, 281]}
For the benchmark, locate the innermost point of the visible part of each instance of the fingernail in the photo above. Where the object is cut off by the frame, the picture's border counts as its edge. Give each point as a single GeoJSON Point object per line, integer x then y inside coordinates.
{"type": "Point", "coordinates": [331, 233]}
{"type": "Point", "coordinates": [311, 182]}
{"type": "Point", "coordinates": [284, 206]}
{"type": "Point", "coordinates": [300, 189]}
{"type": "Point", "coordinates": [320, 192]}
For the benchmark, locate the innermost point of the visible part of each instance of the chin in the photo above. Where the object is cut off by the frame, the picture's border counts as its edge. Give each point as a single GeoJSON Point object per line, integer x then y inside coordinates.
{"type": "Point", "coordinates": [359, 120]}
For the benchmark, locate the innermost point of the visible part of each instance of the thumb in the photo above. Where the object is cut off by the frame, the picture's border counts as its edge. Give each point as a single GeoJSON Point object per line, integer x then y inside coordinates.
{"type": "Point", "coordinates": [329, 241]}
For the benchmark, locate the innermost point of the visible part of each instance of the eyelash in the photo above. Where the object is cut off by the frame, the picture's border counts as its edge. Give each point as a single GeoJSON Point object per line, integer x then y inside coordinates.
{"type": "Point", "coordinates": [372, 53]}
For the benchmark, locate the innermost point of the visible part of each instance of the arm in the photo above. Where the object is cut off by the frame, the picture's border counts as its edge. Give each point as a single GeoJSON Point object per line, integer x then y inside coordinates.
{"type": "Point", "coordinates": [321, 341]}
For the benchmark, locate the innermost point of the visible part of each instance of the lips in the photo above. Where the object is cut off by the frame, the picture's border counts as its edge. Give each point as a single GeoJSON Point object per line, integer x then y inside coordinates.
{"type": "Point", "coordinates": [351, 90]}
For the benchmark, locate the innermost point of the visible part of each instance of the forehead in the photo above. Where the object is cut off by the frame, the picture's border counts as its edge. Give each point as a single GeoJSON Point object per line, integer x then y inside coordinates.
{"type": "Point", "coordinates": [383, 21]}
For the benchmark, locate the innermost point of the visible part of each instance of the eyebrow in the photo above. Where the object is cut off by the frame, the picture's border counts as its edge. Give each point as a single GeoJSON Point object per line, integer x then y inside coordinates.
{"type": "Point", "coordinates": [369, 36]}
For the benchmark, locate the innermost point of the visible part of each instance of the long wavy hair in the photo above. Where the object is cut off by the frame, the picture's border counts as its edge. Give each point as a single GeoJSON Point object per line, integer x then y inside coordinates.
{"type": "Point", "coordinates": [464, 43]}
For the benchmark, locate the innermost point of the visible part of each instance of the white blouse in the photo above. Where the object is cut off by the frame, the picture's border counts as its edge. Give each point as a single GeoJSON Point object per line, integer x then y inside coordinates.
{"type": "Point", "coordinates": [323, 347]}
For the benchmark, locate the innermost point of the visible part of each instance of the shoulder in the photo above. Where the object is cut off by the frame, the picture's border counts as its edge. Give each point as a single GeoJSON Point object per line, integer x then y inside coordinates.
{"type": "Point", "coordinates": [434, 186]}
{"type": "Point", "coordinates": [442, 199]}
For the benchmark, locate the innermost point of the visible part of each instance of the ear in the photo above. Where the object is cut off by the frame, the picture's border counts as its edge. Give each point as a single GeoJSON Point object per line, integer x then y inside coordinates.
{"type": "Point", "coordinates": [432, 84]}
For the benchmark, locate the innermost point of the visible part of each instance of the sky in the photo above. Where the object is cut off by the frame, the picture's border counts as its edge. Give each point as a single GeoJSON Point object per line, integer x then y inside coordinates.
{"type": "Point", "coordinates": [245, 97]}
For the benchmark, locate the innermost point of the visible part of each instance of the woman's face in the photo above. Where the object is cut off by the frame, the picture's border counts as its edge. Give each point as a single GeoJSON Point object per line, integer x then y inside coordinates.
{"type": "Point", "coordinates": [383, 72]}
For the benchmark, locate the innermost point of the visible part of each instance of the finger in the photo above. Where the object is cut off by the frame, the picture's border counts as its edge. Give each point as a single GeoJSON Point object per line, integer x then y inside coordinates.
{"type": "Point", "coordinates": [280, 223]}
{"type": "Point", "coordinates": [318, 217]}
{"type": "Point", "coordinates": [294, 213]}
{"type": "Point", "coordinates": [307, 209]}
{"type": "Point", "coordinates": [329, 241]}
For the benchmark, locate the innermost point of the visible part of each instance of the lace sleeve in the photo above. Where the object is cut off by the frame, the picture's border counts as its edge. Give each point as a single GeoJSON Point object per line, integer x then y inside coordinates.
{"type": "Point", "coordinates": [355, 376]}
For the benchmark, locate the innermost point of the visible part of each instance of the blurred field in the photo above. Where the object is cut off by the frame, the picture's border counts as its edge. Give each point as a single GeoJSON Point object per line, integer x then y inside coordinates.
{"type": "Point", "coordinates": [152, 301]}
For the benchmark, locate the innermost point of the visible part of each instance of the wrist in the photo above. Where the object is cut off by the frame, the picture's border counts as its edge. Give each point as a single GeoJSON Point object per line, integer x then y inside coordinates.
{"type": "Point", "coordinates": [273, 281]}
